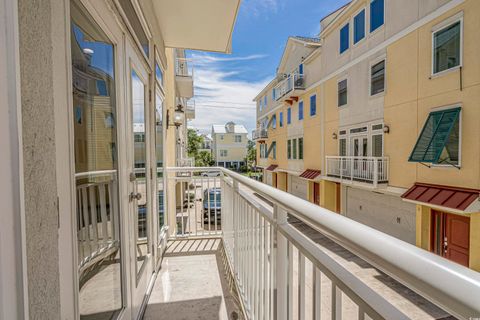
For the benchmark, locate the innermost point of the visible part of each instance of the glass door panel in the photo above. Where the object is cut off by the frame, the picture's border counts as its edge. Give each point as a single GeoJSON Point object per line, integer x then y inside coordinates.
{"type": "Point", "coordinates": [139, 177]}
{"type": "Point", "coordinates": [96, 169]}
{"type": "Point", "coordinates": [159, 168]}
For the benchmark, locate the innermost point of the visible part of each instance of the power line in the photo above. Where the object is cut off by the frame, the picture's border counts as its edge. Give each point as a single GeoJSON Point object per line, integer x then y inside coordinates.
{"type": "Point", "coordinates": [222, 107]}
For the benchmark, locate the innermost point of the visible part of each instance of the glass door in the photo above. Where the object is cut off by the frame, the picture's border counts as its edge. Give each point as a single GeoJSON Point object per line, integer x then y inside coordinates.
{"type": "Point", "coordinates": [94, 112]}
{"type": "Point", "coordinates": [161, 196]}
{"type": "Point", "coordinates": [140, 207]}
{"type": "Point", "coordinates": [359, 149]}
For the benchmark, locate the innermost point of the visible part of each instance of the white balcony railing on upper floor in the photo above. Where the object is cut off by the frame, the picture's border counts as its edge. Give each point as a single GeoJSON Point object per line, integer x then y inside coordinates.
{"type": "Point", "coordinates": [190, 109]}
{"type": "Point", "coordinates": [293, 81]}
{"type": "Point", "coordinates": [259, 134]}
{"type": "Point", "coordinates": [363, 169]}
{"type": "Point", "coordinates": [183, 67]}
{"type": "Point", "coordinates": [186, 162]}
{"type": "Point", "coordinates": [264, 250]}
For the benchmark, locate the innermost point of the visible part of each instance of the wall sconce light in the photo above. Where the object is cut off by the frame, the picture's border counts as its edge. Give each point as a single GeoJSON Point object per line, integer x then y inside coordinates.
{"type": "Point", "coordinates": [178, 117]}
{"type": "Point", "coordinates": [386, 129]}
{"type": "Point", "coordinates": [334, 136]}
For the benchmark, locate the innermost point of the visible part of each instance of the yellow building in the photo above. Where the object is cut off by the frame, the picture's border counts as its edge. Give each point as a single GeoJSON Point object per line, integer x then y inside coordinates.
{"type": "Point", "coordinates": [229, 145]}
{"type": "Point", "coordinates": [393, 138]}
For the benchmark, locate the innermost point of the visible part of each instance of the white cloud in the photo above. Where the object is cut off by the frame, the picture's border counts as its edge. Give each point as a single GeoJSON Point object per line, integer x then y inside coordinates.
{"type": "Point", "coordinates": [221, 97]}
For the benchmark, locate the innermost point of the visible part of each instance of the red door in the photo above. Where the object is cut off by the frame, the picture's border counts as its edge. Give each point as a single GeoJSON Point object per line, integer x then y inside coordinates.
{"type": "Point", "coordinates": [316, 193]}
{"type": "Point", "coordinates": [451, 236]}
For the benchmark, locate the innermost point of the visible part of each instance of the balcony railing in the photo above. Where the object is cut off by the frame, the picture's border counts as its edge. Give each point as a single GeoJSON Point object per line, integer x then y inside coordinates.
{"type": "Point", "coordinates": [293, 81]}
{"type": "Point", "coordinates": [363, 169]}
{"type": "Point", "coordinates": [190, 109]}
{"type": "Point", "coordinates": [96, 211]}
{"type": "Point", "coordinates": [259, 134]}
{"type": "Point", "coordinates": [183, 67]}
{"type": "Point", "coordinates": [186, 162]}
{"type": "Point", "coordinates": [263, 250]}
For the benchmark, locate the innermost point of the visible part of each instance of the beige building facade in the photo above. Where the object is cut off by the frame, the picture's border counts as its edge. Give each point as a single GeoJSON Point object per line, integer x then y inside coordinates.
{"type": "Point", "coordinates": [380, 122]}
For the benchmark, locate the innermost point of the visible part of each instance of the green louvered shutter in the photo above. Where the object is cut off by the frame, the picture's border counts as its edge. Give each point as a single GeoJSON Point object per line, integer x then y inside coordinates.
{"type": "Point", "coordinates": [434, 136]}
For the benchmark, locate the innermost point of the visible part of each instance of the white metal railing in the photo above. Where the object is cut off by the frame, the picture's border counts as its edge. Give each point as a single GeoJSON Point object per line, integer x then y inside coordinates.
{"type": "Point", "coordinates": [366, 169]}
{"type": "Point", "coordinates": [259, 134]}
{"type": "Point", "coordinates": [293, 81]}
{"type": "Point", "coordinates": [190, 109]}
{"type": "Point", "coordinates": [183, 67]}
{"type": "Point", "coordinates": [274, 263]}
{"type": "Point", "coordinates": [186, 162]}
{"type": "Point", "coordinates": [96, 217]}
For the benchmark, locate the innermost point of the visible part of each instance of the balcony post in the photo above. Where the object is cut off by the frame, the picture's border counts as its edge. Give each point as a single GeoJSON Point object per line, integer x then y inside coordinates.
{"type": "Point", "coordinates": [234, 211]}
{"type": "Point", "coordinates": [352, 168]}
{"type": "Point", "coordinates": [281, 262]}
{"type": "Point", "coordinates": [375, 172]}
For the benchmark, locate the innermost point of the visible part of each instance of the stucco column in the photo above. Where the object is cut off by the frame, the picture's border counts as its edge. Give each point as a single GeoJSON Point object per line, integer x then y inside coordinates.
{"type": "Point", "coordinates": [39, 162]}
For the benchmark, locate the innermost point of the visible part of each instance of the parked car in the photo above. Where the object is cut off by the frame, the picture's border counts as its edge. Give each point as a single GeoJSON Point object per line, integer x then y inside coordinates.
{"type": "Point", "coordinates": [212, 201]}
{"type": "Point", "coordinates": [211, 174]}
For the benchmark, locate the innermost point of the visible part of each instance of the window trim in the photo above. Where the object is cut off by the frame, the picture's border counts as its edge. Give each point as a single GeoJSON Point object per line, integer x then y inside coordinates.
{"type": "Point", "coordinates": [364, 27]}
{"type": "Point", "coordinates": [341, 53]}
{"type": "Point", "coordinates": [370, 31]}
{"type": "Point", "coordinates": [289, 115]}
{"type": "Point", "coordinates": [280, 119]}
{"type": "Point", "coordinates": [338, 100]}
{"type": "Point", "coordinates": [310, 98]}
{"type": "Point", "coordinates": [300, 102]}
{"type": "Point", "coordinates": [439, 27]}
{"type": "Point", "coordinates": [373, 63]}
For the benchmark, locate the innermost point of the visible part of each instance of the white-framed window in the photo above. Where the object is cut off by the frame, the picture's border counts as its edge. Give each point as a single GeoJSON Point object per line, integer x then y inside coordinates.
{"type": "Point", "coordinates": [377, 14]}
{"type": "Point", "coordinates": [344, 38]}
{"type": "Point", "coordinates": [377, 78]}
{"type": "Point", "coordinates": [223, 153]}
{"type": "Point", "coordinates": [447, 45]}
{"type": "Point", "coordinates": [359, 26]}
{"type": "Point", "coordinates": [289, 149]}
{"type": "Point", "coordinates": [342, 92]}
{"type": "Point", "coordinates": [238, 138]}
{"type": "Point", "coordinates": [342, 147]}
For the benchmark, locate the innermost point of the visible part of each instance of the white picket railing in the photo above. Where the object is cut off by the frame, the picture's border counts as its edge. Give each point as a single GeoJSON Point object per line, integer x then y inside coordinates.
{"type": "Point", "coordinates": [365, 169]}
{"type": "Point", "coordinates": [259, 134]}
{"type": "Point", "coordinates": [97, 234]}
{"type": "Point", "coordinates": [281, 272]}
{"type": "Point", "coordinates": [293, 81]}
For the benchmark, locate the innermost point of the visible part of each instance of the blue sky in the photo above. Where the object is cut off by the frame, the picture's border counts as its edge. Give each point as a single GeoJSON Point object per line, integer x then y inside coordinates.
{"type": "Point", "coordinates": [226, 84]}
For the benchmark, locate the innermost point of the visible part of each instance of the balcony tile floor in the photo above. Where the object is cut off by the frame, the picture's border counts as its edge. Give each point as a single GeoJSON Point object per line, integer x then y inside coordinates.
{"type": "Point", "coordinates": [192, 284]}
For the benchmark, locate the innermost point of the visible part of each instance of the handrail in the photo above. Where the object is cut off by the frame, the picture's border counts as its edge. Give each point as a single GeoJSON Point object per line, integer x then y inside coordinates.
{"type": "Point", "coordinates": [95, 173]}
{"type": "Point", "coordinates": [451, 286]}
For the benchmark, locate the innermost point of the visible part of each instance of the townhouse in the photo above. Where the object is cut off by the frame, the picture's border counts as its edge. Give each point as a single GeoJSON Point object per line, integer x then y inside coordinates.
{"type": "Point", "coordinates": [387, 132]}
{"type": "Point", "coordinates": [229, 145]}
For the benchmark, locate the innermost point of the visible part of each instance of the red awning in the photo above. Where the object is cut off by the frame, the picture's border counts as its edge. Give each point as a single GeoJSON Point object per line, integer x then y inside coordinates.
{"type": "Point", "coordinates": [445, 196]}
{"type": "Point", "coordinates": [271, 167]}
{"type": "Point", "coordinates": [310, 174]}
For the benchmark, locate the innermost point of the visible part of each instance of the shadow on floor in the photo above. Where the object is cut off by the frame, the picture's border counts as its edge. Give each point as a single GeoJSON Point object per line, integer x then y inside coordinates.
{"type": "Point", "coordinates": [199, 309]}
{"type": "Point", "coordinates": [192, 247]}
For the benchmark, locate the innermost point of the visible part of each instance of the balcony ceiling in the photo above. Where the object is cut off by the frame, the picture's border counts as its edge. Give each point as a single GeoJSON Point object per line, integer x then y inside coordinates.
{"type": "Point", "coordinates": [205, 25]}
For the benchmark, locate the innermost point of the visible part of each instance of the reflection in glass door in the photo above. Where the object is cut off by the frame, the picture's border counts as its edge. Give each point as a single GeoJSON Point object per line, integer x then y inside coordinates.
{"type": "Point", "coordinates": [96, 169]}
{"type": "Point", "coordinates": [159, 168]}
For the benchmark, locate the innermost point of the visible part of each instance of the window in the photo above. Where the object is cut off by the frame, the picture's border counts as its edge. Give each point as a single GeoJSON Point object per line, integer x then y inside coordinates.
{"type": "Point", "coordinates": [359, 26]}
{"type": "Point", "coordinates": [439, 141]}
{"type": "Point", "coordinates": [342, 147]}
{"type": "Point", "coordinates": [281, 119]}
{"type": "Point", "coordinates": [342, 93]}
{"type": "Point", "coordinates": [377, 80]}
{"type": "Point", "coordinates": [289, 115]}
{"type": "Point", "coordinates": [377, 145]}
{"type": "Point", "coordinates": [265, 101]}
{"type": "Point", "coordinates": [274, 121]}
{"type": "Point", "coordinates": [446, 48]}
{"type": "Point", "coordinates": [300, 110]}
{"type": "Point", "coordinates": [294, 147]}
{"type": "Point", "coordinates": [377, 14]}
{"type": "Point", "coordinates": [221, 137]}
{"type": "Point", "coordinates": [289, 149]}
{"type": "Point", "coordinates": [274, 150]}
{"type": "Point", "coordinates": [158, 74]}
{"type": "Point", "coordinates": [300, 68]}
{"type": "Point", "coordinates": [344, 38]}
{"type": "Point", "coordinates": [137, 27]}
{"type": "Point", "coordinates": [300, 148]}
{"type": "Point", "coordinates": [238, 138]}
{"type": "Point", "coordinates": [313, 105]}
{"type": "Point", "coordinates": [223, 153]}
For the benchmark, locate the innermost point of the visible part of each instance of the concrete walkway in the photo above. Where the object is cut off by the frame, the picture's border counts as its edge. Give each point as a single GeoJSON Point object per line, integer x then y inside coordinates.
{"type": "Point", "coordinates": [192, 284]}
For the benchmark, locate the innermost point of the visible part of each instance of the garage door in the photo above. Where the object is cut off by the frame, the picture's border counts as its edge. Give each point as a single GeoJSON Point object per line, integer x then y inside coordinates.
{"type": "Point", "coordinates": [298, 187]}
{"type": "Point", "coordinates": [387, 213]}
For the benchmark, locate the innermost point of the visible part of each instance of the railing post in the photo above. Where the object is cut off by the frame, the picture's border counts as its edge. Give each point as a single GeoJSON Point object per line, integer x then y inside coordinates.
{"type": "Point", "coordinates": [233, 210]}
{"type": "Point", "coordinates": [281, 262]}
{"type": "Point", "coordinates": [352, 168]}
{"type": "Point", "coordinates": [375, 172]}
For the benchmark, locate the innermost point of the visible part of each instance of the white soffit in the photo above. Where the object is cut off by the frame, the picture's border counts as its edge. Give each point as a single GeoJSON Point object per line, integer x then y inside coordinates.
{"type": "Point", "coordinates": [205, 25]}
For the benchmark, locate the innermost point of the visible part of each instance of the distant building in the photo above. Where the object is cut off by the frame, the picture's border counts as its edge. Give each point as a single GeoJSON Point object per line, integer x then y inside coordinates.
{"type": "Point", "coordinates": [229, 145]}
{"type": "Point", "coordinates": [207, 143]}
